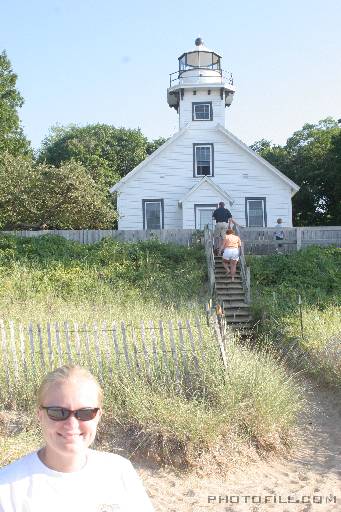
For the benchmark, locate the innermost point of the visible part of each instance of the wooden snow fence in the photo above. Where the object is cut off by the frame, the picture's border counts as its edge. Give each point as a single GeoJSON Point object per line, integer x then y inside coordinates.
{"type": "Point", "coordinates": [177, 352]}
{"type": "Point", "coordinates": [263, 240]}
{"type": "Point", "coordinates": [91, 236]}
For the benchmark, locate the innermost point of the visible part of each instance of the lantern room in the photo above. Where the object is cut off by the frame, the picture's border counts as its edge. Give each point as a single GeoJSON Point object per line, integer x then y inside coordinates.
{"type": "Point", "coordinates": [199, 71]}
{"type": "Point", "coordinates": [200, 63]}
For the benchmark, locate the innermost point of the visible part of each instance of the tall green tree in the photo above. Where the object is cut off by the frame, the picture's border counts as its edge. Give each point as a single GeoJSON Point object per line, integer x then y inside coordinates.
{"type": "Point", "coordinates": [12, 138]}
{"type": "Point", "coordinates": [108, 153]}
{"type": "Point", "coordinates": [64, 197]}
{"type": "Point", "coordinates": [153, 145]}
{"type": "Point", "coordinates": [311, 158]}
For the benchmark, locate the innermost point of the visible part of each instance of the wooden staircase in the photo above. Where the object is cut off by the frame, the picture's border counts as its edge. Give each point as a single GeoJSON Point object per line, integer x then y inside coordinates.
{"type": "Point", "coordinates": [233, 297]}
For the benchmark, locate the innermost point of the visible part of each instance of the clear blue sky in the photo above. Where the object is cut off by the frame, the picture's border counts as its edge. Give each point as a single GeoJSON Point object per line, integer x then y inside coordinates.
{"type": "Point", "coordinates": [87, 61]}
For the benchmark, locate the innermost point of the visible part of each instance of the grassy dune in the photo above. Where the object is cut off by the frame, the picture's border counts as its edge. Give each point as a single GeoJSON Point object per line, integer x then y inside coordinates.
{"type": "Point", "coordinates": [54, 279]}
{"type": "Point", "coordinates": [315, 331]}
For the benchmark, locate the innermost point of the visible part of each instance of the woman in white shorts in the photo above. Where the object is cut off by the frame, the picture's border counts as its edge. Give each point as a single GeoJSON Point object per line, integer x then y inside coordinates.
{"type": "Point", "coordinates": [231, 247]}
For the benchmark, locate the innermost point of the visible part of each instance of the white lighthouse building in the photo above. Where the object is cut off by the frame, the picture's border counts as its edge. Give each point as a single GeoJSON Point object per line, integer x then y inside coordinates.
{"type": "Point", "coordinates": [181, 184]}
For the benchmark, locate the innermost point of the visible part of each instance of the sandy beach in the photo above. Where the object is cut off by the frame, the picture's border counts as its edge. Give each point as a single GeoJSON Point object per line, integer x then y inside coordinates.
{"type": "Point", "coordinates": [307, 480]}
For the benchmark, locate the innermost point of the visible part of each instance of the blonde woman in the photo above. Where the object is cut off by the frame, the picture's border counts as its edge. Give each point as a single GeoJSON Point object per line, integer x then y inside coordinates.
{"type": "Point", "coordinates": [231, 252]}
{"type": "Point", "coordinates": [65, 474]}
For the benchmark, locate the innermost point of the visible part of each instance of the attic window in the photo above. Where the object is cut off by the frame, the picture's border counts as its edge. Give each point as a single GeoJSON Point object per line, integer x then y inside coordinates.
{"type": "Point", "coordinates": [203, 160]}
{"type": "Point", "coordinates": [202, 111]}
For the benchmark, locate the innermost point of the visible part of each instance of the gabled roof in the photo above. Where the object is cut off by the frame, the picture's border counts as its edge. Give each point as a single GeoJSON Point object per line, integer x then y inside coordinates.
{"type": "Point", "coordinates": [230, 136]}
{"type": "Point", "coordinates": [261, 160]}
{"type": "Point", "coordinates": [146, 161]}
{"type": "Point", "coordinates": [221, 193]}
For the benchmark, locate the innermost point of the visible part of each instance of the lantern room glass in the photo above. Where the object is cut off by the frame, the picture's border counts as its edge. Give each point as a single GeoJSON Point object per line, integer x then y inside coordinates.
{"type": "Point", "coordinates": [200, 59]}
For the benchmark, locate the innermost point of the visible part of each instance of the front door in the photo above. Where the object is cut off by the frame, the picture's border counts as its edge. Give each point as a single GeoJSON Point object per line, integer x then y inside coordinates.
{"type": "Point", "coordinates": [203, 215]}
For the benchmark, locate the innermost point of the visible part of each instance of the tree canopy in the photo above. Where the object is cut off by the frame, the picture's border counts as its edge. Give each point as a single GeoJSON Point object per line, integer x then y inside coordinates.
{"type": "Point", "coordinates": [65, 197]}
{"type": "Point", "coordinates": [311, 157]}
{"type": "Point", "coordinates": [108, 153]}
{"type": "Point", "coordinates": [12, 138]}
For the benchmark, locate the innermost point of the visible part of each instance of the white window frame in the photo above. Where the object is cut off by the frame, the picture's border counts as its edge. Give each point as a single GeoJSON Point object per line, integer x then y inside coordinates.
{"type": "Point", "coordinates": [195, 162]}
{"type": "Point", "coordinates": [247, 210]}
{"type": "Point", "coordinates": [145, 202]}
{"type": "Point", "coordinates": [198, 104]}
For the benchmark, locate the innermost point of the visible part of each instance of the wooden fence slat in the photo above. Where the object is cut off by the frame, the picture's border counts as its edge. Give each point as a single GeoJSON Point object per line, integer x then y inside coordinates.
{"type": "Point", "coordinates": [125, 346]}
{"type": "Point", "coordinates": [154, 344]}
{"type": "Point", "coordinates": [67, 342]}
{"type": "Point", "coordinates": [200, 337]}
{"type": "Point", "coordinates": [163, 344]}
{"type": "Point", "coordinates": [5, 354]}
{"type": "Point", "coordinates": [41, 347]}
{"type": "Point", "coordinates": [98, 352]}
{"type": "Point", "coordinates": [106, 346]}
{"type": "Point", "coordinates": [23, 349]}
{"type": "Point", "coordinates": [182, 347]}
{"type": "Point", "coordinates": [87, 346]}
{"type": "Point", "coordinates": [77, 342]}
{"type": "Point", "coordinates": [144, 348]}
{"type": "Point", "coordinates": [32, 350]}
{"type": "Point", "coordinates": [116, 347]}
{"type": "Point", "coordinates": [59, 348]}
{"type": "Point", "coordinates": [13, 349]}
{"type": "Point", "coordinates": [49, 344]}
{"type": "Point", "coordinates": [191, 339]}
{"type": "Point", "coordinates": [220, 343]}
{"type": "Point", "coordinates": [135, 350]}
{"type": "Point", "coordinates": [173, 349]}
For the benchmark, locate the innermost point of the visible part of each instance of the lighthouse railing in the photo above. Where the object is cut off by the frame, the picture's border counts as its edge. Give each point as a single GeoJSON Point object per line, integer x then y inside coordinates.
{"type": "Point", "coordinates": [223, 76]}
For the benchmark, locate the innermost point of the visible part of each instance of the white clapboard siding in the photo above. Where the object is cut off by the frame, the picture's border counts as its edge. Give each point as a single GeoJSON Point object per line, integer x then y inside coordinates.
{"type": "Point", "coordinates": [185, 107]}
{"type": "Point", "coordinates": [169, 176]}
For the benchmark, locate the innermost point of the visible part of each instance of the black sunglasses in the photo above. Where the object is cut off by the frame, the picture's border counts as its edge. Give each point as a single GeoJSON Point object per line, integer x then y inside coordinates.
{"type": "Point", "coordinates": [61, 414]}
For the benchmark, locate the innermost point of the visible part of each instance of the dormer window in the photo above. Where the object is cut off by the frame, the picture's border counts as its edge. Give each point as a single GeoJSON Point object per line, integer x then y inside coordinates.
{"type": "Point", "coordinates": [202, 111]}
{"type": "Point", "coordinates": [203, 160]}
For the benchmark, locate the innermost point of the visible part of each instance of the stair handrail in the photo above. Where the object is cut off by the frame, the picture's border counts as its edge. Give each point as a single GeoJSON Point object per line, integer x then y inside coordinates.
{"type": "Point", "coordinates": [209, 251]}
{"type": "Point", "coordinates": [244, 269]}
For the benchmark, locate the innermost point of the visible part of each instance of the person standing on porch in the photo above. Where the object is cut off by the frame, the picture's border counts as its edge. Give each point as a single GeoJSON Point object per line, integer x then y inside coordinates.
{"type": "Point", "coordinates": [279, 233]}
{"type": "Point", "coordinates": [223, 219]}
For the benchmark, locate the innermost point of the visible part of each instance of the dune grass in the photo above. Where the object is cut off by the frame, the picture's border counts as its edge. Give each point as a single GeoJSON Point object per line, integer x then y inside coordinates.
{"type": "Point", "coordinates": [314, 327]}
{"type": "Point", "coordinates": [172, 419]}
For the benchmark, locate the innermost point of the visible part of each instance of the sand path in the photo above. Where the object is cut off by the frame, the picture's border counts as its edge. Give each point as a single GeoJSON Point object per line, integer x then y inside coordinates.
{"type": "Point", "coordinates": [313, 469]}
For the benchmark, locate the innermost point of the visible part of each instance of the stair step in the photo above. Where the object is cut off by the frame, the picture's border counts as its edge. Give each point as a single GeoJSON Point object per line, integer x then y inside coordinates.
{"type": "Point", "coordinates": [227, 299]}
{"type": "Point", "coordinates": [227, 287]}
{"type": "Point", "coordinates": [240, 313]}
{"type": "Point", "coordinates": [243, 329]}
{"type": "Point", "coordinates": [227, 279]}
{"type": "Point", "coordinates": [235, 304]}
{"type": "Point", "coordinates": [222, 272]}
{"type": "Point", "coordinates": [231, 298]}
{"type": "Point", "coordinates": [239, 320]}
{"type": "Point", "coordinates": [220, 265]}
{"type": "Point", "coordinates": [230, 292]}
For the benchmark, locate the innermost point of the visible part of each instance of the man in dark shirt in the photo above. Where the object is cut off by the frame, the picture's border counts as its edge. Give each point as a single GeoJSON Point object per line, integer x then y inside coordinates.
{"type": "Point", "coordinates": [223, 218]}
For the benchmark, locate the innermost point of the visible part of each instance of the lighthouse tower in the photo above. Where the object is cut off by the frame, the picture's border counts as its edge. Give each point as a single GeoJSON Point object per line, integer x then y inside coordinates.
{"type": "Point", "coordinates": [200, 90]}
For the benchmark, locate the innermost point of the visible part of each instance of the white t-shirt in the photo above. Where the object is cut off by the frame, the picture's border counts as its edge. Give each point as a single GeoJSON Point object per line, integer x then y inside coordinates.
{"type": "Point", "coordinates": [107, 483]}
{"type": "Point", "coordinates": [279, 231]}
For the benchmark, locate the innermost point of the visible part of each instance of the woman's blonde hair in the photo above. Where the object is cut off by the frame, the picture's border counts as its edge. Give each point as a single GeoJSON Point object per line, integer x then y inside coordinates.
{"type": "Point", "coordinates": [67, 373]}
